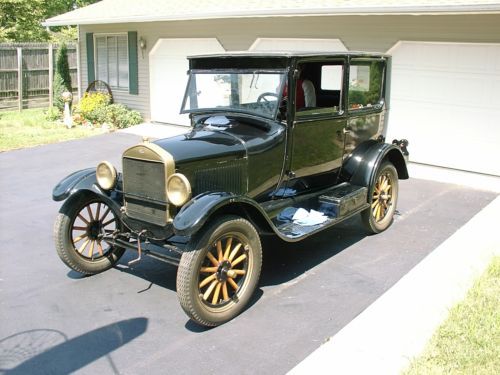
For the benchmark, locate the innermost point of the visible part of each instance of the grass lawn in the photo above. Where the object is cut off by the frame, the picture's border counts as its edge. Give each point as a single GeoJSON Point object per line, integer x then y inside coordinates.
{"type": "Point", "coordinates": [468, 342]}
{"type": "Point", "coordinates": [30, 128]}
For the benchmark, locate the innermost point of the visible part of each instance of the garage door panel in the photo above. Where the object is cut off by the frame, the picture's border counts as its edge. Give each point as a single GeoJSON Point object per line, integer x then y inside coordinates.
{"type": "Point", "coordinates": [454, 90]}
{"type": "Point", "coordinates": [454, 56]}
{"type": "Point", "coordinates": [445, 101]}
{"type": "Point", "coordinates": [168, 65]}
{"type": "Point", "coordinates": [451, 139]}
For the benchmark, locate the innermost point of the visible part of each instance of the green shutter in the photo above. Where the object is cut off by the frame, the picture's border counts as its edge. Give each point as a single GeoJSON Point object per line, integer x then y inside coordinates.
{"type": "Point", "coordinates": [90, 57]}
{"type": "Point", "coordinates": [132, 63]}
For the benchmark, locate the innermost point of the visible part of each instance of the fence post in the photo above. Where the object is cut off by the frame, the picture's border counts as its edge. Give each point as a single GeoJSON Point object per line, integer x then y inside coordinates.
{"type": "Point", "coordinates": [20, 77]}
{"type": "Point", "coordinates": [51, 74]}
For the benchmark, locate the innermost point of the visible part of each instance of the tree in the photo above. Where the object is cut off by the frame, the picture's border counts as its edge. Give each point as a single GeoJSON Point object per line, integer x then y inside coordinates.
{"type": "Point", "coordinates": [62, 77]}
{"type": "Point", "coordinates": [20, 20]}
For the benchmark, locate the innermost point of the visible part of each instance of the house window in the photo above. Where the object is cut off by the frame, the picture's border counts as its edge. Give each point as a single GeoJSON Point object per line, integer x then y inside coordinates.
{"type": "Point", "coordinates": [112, 60]}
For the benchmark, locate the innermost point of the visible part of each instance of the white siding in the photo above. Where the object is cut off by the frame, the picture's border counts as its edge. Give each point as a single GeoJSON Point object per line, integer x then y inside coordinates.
{"type": "Point", "coordinates": [370, 33]}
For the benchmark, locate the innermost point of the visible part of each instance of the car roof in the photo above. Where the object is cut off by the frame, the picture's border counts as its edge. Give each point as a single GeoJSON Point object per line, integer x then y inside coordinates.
{"type": "Point", "coordinates": [266, 59]}
{"type": "Point", "coordinates": [288, 54]}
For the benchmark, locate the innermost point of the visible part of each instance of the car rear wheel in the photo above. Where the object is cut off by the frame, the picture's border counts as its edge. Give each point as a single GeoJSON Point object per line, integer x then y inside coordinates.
{"type": "Point", "coordinates": [220, 270]}
{"type": "Point", "coordinates": [383, 199]}
{"type": "Point", "coordinates": [78, 232]}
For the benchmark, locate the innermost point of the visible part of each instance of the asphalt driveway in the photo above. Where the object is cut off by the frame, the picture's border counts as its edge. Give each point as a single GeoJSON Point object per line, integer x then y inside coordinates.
{"type": "Point", "coordinates": [128, 320]}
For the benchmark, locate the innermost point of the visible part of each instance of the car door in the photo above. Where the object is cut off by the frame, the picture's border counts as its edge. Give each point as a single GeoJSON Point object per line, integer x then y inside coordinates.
{"type": "Point", "coordinates": [317, 141]}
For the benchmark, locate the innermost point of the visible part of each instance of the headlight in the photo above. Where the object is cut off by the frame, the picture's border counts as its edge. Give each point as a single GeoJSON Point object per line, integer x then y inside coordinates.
{"type": "Point", "coordinates": [106, 175]}
{"type": "Point", "coordinates": [178, 189]}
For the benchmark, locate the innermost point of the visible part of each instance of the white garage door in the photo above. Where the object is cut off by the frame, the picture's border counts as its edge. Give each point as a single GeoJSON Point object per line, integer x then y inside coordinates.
{"type": "Point", "coordinates": [445, 99]}
{"type": "Point", "coordinates": [294, 44]}
{"type": "Point", "coordinates": [168, 65]}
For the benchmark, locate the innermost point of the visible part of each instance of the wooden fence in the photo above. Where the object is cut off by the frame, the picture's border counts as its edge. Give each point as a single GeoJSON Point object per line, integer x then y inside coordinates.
{"type": "Point", "coordinates": [26, 74]}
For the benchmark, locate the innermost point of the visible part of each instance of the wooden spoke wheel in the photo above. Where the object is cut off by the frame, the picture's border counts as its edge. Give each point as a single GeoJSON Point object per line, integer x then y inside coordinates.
{"type": "Point", "coordinates": [383, 199]}
{"type": "Point", "coordinates": [226, 264]}
{"type": "Point", "coordinates": [79, 228]}
{"type": "Point", "coordinates": [88, 228]}
{"type": "Point", "coordinates": [219, 273]}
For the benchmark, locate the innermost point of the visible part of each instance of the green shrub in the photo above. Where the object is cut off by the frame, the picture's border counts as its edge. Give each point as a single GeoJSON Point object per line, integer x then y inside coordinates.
{"type": "Point", "coordinates": [62, 77]}
{"type": "Point", "coordinates": [122, 117]}
{"type": "Point", "coordinates": [93, 107]}
{"type": "Point", "coordinates": [58, 90]}
{"type": "Point", "coordinates": [53, 114]}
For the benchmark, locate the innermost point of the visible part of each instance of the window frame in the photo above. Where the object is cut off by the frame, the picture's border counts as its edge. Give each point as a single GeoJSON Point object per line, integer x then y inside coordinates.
{"type": "Point", "coordinates": [319, 113]}
{"type": "Point", "coordinates": [380, 104]}
{"type": "Point", "coordinates": [193, 72]}
{"type": "Point", "coordinates": [96, 66]}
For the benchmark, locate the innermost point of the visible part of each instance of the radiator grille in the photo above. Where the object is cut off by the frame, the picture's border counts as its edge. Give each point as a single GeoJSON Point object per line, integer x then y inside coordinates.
{"type": "Point", "coordinates": [144, 190]}
{"type": "Point", "coordinates": [229, 178]}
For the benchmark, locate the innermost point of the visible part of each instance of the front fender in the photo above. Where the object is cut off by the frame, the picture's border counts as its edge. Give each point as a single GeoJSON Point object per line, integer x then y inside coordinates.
{"type": "Point", "coordinates": [83, 180]}
{"type": "Point", "coordinates": [196, 212]}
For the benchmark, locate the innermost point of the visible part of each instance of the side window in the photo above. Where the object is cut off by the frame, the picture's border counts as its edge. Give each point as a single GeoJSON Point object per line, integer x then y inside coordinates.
{"type": "Point", "coordinates": [327, 78]}
{"type": "Point", "coordinates": [331, 77]}
{"type": "Point", "coordinates": [365, 83]}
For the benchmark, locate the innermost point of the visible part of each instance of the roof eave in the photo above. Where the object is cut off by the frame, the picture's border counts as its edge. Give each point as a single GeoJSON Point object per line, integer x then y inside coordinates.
{"type": "Point", "coordinates": [420, 10]}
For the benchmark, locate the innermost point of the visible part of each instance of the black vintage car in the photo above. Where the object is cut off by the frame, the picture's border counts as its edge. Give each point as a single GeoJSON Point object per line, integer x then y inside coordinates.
{"type": "Point", "coordinates": [286, 144]}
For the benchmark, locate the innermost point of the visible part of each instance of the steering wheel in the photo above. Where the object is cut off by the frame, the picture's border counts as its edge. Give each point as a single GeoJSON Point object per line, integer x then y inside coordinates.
{"type": "Point", "coordinates": [262, 97]}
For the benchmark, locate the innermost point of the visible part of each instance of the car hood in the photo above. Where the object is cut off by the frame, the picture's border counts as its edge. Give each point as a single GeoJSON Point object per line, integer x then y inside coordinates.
{"type": "Point", "coordinates": [208, 139]}
{"type": "Point", "coordinates": [203, 145]}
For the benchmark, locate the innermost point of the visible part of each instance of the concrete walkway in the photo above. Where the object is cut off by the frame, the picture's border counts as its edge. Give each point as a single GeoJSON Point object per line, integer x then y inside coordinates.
{"type": "Point", "coordinates": [396, 327]}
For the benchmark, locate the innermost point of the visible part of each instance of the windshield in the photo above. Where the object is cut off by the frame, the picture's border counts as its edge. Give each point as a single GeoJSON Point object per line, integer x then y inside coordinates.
{"type": "Point", "coordinates": [256, 92]}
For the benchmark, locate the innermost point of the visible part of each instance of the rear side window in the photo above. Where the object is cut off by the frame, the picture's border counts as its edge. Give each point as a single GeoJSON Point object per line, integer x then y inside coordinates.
{"type": "Point", "coordinates": [365, 83]}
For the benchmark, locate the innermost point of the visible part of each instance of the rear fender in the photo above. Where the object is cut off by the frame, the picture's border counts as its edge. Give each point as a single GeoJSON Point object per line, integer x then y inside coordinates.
{"type": "Point", "coordinates": [361, 167]}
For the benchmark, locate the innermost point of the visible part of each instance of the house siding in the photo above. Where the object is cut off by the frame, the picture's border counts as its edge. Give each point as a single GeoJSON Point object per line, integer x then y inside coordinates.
{"type": "Point", "coordinates": [368, 33]}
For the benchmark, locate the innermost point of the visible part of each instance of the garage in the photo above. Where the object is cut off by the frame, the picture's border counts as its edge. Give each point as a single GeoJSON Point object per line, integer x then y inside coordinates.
{"type": "Point", "coordinates": [168, 66]}
{"type": "Point", "coordinates": [446, 60]}
{"type": "Point", "coordinates": [445, 101]}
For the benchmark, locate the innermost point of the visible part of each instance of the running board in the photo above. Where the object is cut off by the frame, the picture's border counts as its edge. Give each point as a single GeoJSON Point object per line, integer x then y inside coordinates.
{"type": "Point", "coordinates": [337, 204]}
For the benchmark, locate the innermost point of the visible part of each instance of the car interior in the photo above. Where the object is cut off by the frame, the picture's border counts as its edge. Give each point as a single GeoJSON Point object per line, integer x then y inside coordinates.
{"type": "Point", "coordinates": [326, 78]}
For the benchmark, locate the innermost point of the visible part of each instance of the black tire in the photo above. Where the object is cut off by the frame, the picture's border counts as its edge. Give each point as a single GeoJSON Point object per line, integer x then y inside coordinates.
{"type": "Point", "coordinates": [76, 234]}
{"type": "Point", "coordinates": [218, 274]}
{"type": "Point", "coordinates": [383, 199]}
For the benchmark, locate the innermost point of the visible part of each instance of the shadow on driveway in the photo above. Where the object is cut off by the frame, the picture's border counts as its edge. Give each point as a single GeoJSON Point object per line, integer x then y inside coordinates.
{"type": "Point", "coordinates": [45, 351]}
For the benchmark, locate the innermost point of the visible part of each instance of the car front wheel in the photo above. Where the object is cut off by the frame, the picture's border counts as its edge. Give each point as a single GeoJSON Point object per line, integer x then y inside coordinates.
{"type": "Point", "coordinates": [78, 230]}
{"type": "Point", "coordinates": [220, 270]}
